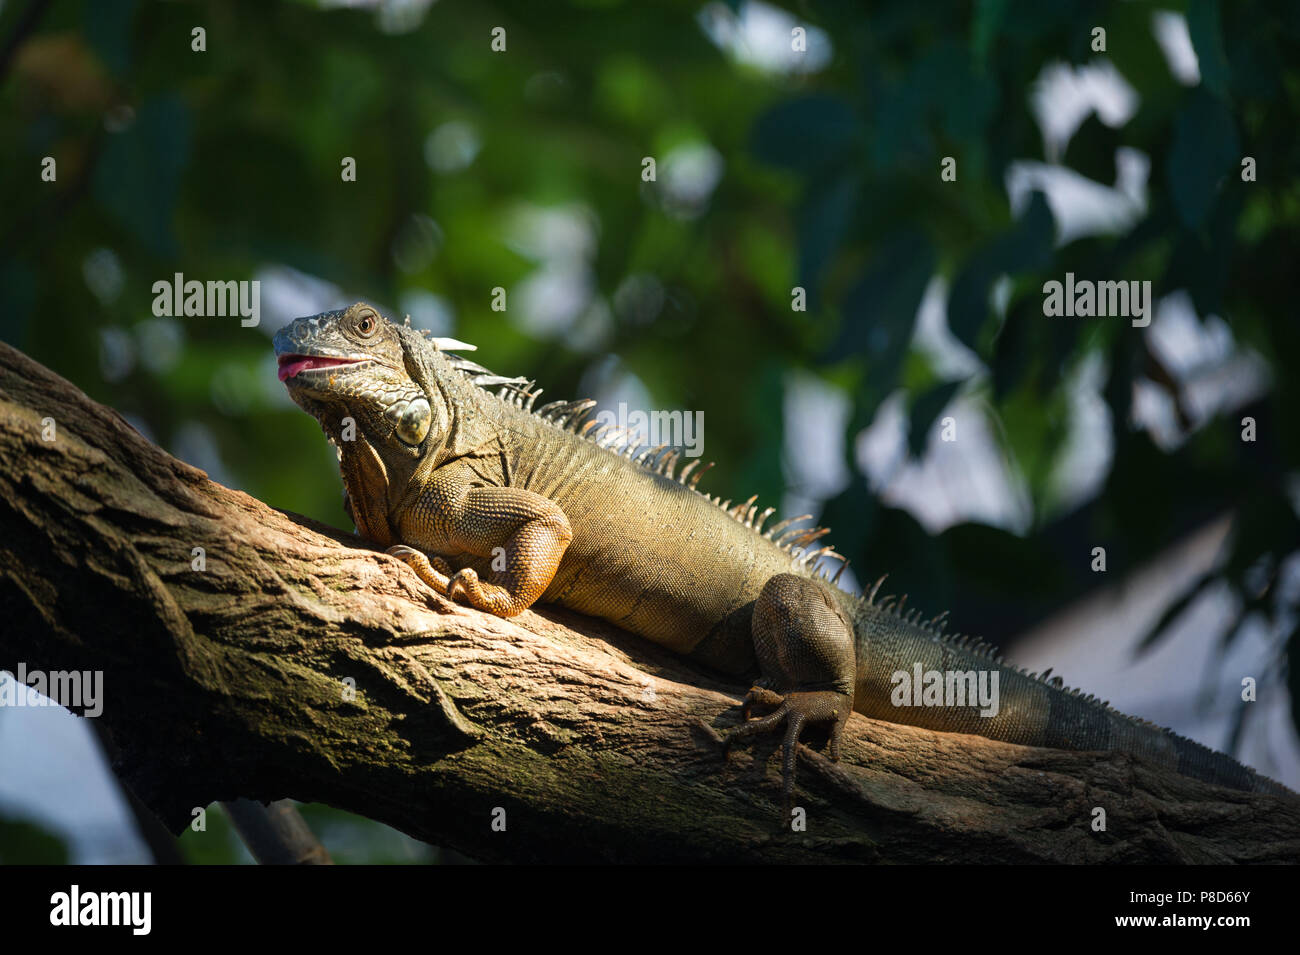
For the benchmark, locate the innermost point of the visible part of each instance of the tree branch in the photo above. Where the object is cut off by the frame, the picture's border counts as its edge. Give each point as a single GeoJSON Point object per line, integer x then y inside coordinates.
{"type": "Point", "coordinates": [236, 681]}
{"type": "Point", "coordinates": [276, 834]}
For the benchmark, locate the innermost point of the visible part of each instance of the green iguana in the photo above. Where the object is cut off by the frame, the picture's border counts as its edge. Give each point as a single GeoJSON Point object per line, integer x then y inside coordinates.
{"type": "Point", "coordinates": [499, 504]}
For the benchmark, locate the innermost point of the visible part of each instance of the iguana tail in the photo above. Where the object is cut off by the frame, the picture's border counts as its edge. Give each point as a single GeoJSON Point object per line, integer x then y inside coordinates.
{"type": "Point", "coordinates": [910, 672]}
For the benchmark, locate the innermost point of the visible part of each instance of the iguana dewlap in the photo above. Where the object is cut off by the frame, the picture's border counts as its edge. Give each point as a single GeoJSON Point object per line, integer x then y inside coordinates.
{"type": "Point", "coordinates": [499, 505]}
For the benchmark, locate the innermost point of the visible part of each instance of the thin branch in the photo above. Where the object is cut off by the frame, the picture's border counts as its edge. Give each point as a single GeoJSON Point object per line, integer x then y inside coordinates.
{"type": "Point", "coordinates": [276, 834]}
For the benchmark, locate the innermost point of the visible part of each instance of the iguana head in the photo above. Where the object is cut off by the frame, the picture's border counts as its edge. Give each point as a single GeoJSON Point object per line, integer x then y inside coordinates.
{"type": "Point", "coordinates": [351, 363]}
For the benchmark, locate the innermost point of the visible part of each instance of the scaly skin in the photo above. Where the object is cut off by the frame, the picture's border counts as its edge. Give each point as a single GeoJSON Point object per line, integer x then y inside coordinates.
{"type": "Point", "coordinates": [500, 506]}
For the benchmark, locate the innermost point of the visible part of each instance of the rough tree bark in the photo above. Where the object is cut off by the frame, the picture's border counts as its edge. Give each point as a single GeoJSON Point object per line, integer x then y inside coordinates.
{"type": "Point", "coordinates": [230, 682]}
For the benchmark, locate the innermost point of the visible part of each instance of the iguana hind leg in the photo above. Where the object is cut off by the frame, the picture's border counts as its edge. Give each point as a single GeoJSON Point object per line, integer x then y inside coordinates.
{"type": "Point", "coordinates": [804, 646]}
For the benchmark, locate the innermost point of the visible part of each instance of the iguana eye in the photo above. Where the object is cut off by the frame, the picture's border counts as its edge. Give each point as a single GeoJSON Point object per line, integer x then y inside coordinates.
{"type": "Point", "coordinates": [366, 324]}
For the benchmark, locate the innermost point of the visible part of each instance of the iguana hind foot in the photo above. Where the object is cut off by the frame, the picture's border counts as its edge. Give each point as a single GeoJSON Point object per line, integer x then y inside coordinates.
{"type": "Point", "coordinates": [797, 710]}
{"type": "Point", "coordinates": [804, 646]}
{"type": "Point", "coordinates": [759, 696]}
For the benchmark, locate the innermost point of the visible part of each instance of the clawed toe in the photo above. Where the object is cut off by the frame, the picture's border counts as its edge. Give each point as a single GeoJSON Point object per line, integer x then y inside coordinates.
{"type": "Point", "coordinates": [433, 570]}
{"type": "Point", "coordinates": [795, 711]}
{"type": "Point", "coordinates": [759, 696]}
{"type": "Point", "coordinates": [465, 583]}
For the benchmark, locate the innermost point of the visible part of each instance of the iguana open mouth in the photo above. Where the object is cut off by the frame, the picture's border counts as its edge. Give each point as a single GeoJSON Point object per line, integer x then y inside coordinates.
{"type": "Point", "coordinates": [291, 365]}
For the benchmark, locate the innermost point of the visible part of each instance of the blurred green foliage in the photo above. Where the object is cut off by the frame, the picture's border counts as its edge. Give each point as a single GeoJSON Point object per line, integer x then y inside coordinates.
{"type": "Point", "coordinates": [226, 162]}
{"type": "Point", "coordinates": [26, 843]}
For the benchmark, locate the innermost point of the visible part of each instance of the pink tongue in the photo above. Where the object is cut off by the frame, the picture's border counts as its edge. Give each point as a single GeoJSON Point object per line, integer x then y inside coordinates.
{"type": "Point", "coordinates": [291, 368]}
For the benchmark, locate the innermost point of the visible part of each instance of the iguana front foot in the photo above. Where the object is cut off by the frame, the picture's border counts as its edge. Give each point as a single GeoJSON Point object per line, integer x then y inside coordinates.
{"type": "Point", "coordinates": [480, 595]}
{"type": "Point", "coordinates": [434, 571]}
{"type": "Point", "coordinates": [796, 710]}
{"type": "Point", "coordinates": [463, 584]}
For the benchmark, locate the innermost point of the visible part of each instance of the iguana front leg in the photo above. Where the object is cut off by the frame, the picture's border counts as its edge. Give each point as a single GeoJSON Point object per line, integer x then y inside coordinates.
{"type": "Point", "coordinates": [523, 533]}
{"type": "Point", "coordinates": [804, 646]}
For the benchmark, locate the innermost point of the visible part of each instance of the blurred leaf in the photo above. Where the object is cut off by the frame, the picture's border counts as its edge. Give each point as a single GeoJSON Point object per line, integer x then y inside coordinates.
{"type": "Point", "coordinates": [880, 311]}
{"type": "Point", "coordinates": [1027, 245]}
{"type": "Point", "coordinates": [823, 218]}
{"type": "Point", "coordinates": [987, 23]}
{"type": "Point", "coordinates": [851, 517]}
{"type": "Point", "coordinates": [218, 844]}
{"type": "Point", "coordinates": [1207, 41]}
{"type": "Point", "coordinates": [807, 134]}
{"type": "Point", "coordinates": [925, 409]}
{"type": "Point", "coordinates": [1091, 150]}
{"type": "Point", "coordinates": [26, 843]}
{"type": "Point", "coordinates": [1204, 149]}
{"type": "Point", "coordinates": [355, 840]}
{"type": "Point", "coordinates": [760, 471]}
{"type": "Point", "coordinates": [901, 136]}
{"type": "Point", "coordinates": [108, 27]}
{"type": "Point", "coordinates": [1174, 611]}
{"type": "Point", "coordinates": [1264, 522]}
